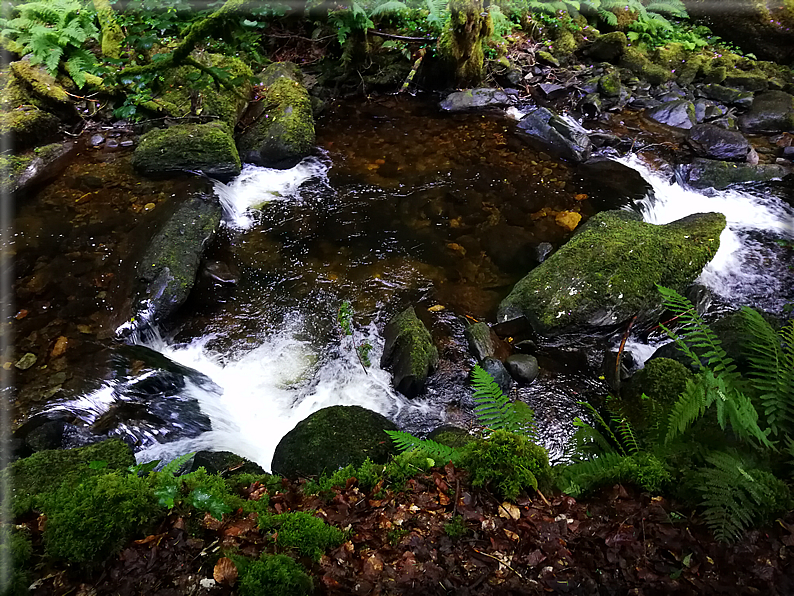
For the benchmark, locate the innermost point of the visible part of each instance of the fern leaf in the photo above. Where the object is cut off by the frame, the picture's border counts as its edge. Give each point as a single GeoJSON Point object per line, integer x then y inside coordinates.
{"type": "Point", "coordinates": [406, 442]}
{"type": "Point", "coordinates": [175, 464]}
{"type": "Point", "coordinates": [610, 18]}
{"type": "Point", "coordinates": [391, 7]}
{"type": "Point", "coordinates": [771, 369]}
{"type": "Point", "coordinates": [691, 405]}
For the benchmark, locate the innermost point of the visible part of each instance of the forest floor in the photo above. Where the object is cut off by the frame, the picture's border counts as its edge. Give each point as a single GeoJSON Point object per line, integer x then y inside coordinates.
{"type": "Point", "coordinates": [438, 536]}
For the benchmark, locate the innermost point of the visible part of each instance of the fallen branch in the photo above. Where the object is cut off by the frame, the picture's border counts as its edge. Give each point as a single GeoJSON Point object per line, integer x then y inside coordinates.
{"type": "Point", "coordinates": [402, 37]}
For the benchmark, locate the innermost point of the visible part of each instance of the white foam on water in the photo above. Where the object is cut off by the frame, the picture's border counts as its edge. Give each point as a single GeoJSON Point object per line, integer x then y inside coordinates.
{"type": "Point", "coordinates": [731, 273]}
{"type": "Point", "coordinates": [266, 391]}
{"type": "Point", "coordinates": [256, 186]}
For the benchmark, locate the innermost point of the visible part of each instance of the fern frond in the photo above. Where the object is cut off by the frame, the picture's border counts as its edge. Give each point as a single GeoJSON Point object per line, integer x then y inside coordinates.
{"type": "Point", "coordinates": [691, 405]}
{"type": "Point", "coordinates": [610, 18]}
{"type": "Point", "coordinates": [697, 334]}
{"type": "Point", "coordinates": [494, 409]}
{"type": "Point", "coordinates": [603, 424]}
{"type": "Point", "coordinates": [734, 494]}
{"type": "Point", "coordinates": [175, 464]}
{"type": "Point", "coordinates": [771, 369]}
{"type": "Point", "coordinates": [391, 7]}
{"type": "Point", "coordinates": [406, 442]}
{"type": "Point", "coordinates": [674, 8]}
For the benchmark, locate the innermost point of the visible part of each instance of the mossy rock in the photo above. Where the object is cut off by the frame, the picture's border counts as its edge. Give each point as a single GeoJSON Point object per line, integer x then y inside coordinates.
{"type": "Point", "coordinates": [608, 47]}
{"type": "Point", "coordinates": [639, 64]}
{"type": "Point", "coordinates": [26, 126]}
{"type": "Point", "coordinates": [608, 271]}
{"type": "Point", "coordinates": [279, 128]}
{"type": "Point", "coordinates": [662, 380]}
{"type": "Point", "coordinates": [711, 173]}
{"type": "Point", "coordinates": [40, 83]}
{"type": "Point", "coordinates": [609, 84]}
{"type": "Point", "coordinates": [771, 112]}
{"type": "Point", "coordinates": [408, 352]}
{"type": "Point", "coordinates": [186, 86]}
{"type": "Point", "coordinates": [23, 172]}
{"type": "Point", "coordinates": [333, 438]}
{"type": "Point", "coordinates": [34, 477]}
{"type": "Point", "coordinates": [451, 436]}
{"type": "Point", "coordinates": [167, 270]}
{"type": "Point", "coordinates": [208, 148]}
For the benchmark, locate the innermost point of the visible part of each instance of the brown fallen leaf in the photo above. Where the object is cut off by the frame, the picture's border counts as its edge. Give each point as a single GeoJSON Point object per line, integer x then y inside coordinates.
{"type": "Point", "coordinates": [509, 511]}
{"type": "Point", "coordinates": [156, 538]}
{"type": "Point", "coordinates": [225, 571]}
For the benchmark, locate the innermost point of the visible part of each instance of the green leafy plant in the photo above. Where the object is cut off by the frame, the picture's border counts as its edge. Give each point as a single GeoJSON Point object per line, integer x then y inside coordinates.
{"type": "Point", "coordinates": [54, 32]}
{"type": "Point", "coordinates": [344, 317]}
{"type": "Point", "coordinates": [456, 528]}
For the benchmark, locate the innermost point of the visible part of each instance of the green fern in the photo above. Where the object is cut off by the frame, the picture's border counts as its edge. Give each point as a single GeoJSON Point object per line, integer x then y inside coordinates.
{"type": "Point", "coordinates": [53, 31]}
{"type": "Point", "coordinates": [771, 360]}
{"type": "Point", "coordinates": [393, 7]}
{"type": "Point", "coordinates": [407, 442]}
{"type": "Point", "coordinates": [438, 13]}
{"type": "Point", "coordinates": [494, 410]}
{"type": "Point", "coordinates": [735, 495]}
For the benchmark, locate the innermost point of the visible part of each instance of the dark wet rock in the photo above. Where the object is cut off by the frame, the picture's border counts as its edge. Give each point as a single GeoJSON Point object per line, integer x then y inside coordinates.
{"type": "Point", "coordinates": [23, 173]}
{"type": "Point", "coordinates": [333, 438]}
{"type": "Point", "coordinates": [611, 184]}
{"type": "Point", "coordinates": [715, 142]}
{"type": "Point", "coordinates": [26, 126]}
{"type": "Point", "coordinates": [280, 126]}
{"type": "Point", "coordinates": [498, 372]}
{"type": "Point", "coordinates": [220, 272]}
{"type": "Point", "coordinates": [207, 148]}
{"type": "Point", "coordinates": [749, 81]}
{"type": "Point", "coordinates": [725, 94]}
{"type": "Point", "coordinates": [167, 270]}
{"type": "Point", "coordinates": [522, 367]}
{"type": "Point", "coordinates": [719, 175]}
{"type": "Point", "coordinates": [471, 99]}
{"type": "Point", "coordinates": [553, 90]}
{"type": "Point", "coordinates": [408, 352]}
{"type": "Point", "coordinates": [645, 102]}
{"type": "Point", "coordinates": [772, 111]}
{"type": "Point", "coordinates": [608, 271]}
{"type": "Point", "coordinates": [542, 251]}
{"type": "Point", "coordinates": [48, 435]}
{"type": "Point", "coordinates": [543, 128]}
{"type": "Point", "coordinates": [451, 436]}
{"type": "Point", "coordinates": [97, 139]}
{"type": "Point", "coordinates": [509, 247]}
{"type": "Point", "coordinates": [679, 114]}
{"type": "Point", "coordinates": [478, 335]}
{"type": "Point", "coordinates": [222, 462]}
{"type": "Point", "coordinates": [608, 47]}
{"type": "Point", "coordinates": [526, 346]}
{"type": "Point", "coordinates": [592, 106]}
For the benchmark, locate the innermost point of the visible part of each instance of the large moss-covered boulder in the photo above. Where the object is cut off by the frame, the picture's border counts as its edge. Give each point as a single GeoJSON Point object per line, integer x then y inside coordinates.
{"type": "Point", "coordinates": [408, 352]}
{"type": "Point", "coordinates": [710, 173]}
{"type": "Point", "coordinates": [34, 477]}
{"type": "Point", "coordinates": [608, 271]}
{"type": "Point", "coordinates": [20, 173]}
{"type": "Point", "coordinates": [167, 270]}
{"type": "Point", "coordinates": [207, 148]}
{"type": "Point", "coordinates": [186, 89]}
{"type": "Point", "coordinates": [333, 438]}
{"type": "Point", "coordinates": [636, 61]}
{"type": "Point", "coordinates": [608, 47]}
{"type": "Point", "coordinates": [546, 130]}
{"type": "Point", "coordinates": [33, 84]}
{"type": "Point", "coordinates": [772, 111]}
{"type": "Point", "coordinates": [279, 126]}
{"type": "Point", "coordinates": [26, 126]}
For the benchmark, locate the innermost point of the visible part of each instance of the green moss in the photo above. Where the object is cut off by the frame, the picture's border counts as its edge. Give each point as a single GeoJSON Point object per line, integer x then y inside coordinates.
{"type": "Point", "coordinates": [275, 575]}
{"type": "Point", "coordinates": [609, 84]}
{"type": "Point", "coordinates": [609, 47]}
{"type": "Point", "coordinates": [91, 521]}
{"type": "Point", "coordinates": [639, 64]}
{"type": "Point", "coordinates": [27, 126]}
{"type": "Point", "coordinates": [451, 436]}
{"type": "Point", "coordinates": [506, 463]}
{"type": "Point", "coordinates": [40, 83]}
{"type": "Point", "coordinates": [609, 270]}
{"type": "Point", "coordinates": [207, 147]}
{"type": "Point", "coordinates": [461, 41]}
{"type": "Point", "coordinates": [186, 85]}
{"type": "Point", "coordinates": [308, 535]}
{"type": "Point", "coordinates": [42, 473]}
{"type": "Point", "coordinates": [646, 399]}
{"type": "Point", "coordinates": [564, 42]}
{"type": "Point", "coordinates": [17, 554]}
{"type": "Point", "coordinates": [716, 75]}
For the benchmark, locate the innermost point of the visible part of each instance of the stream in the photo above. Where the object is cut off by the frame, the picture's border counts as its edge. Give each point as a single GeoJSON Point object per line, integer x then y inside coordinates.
{"type": "Point", "coordinates": [401, 206]}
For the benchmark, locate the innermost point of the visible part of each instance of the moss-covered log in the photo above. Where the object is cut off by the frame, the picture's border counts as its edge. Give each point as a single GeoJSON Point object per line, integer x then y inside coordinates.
{"type": "Point", "coordinates": [112, 35]}
{"type": "Point", "coordinates": [461, 43]}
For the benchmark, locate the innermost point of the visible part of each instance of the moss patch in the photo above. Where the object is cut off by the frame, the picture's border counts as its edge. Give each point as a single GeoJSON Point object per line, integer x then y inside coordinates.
{"type": "Point", "coordinates": [608, 271]}
{"type": "Point", "coordinates": [40, 83]}
{"type": "Point", "coordinates": [24, 127]}
{"type": "Point", "coordinates": [609, 84]}
{"type": "Point", "coordinates": [408, 352]}
{"type": "Point", "coordinates": [205, 147]}
{"type": "Point", "coordinates": [34, 477]}
{"type": "Point", "coordinates": [639, 64]}
{"type": "Point", "coordinates": [282, 129]}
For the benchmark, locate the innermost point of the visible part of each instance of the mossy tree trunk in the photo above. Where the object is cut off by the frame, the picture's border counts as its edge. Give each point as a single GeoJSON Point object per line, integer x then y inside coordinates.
{"type": "Point", "coordinates": [461, 43]}
{"type": "Point", "coordinates": [112, 35]}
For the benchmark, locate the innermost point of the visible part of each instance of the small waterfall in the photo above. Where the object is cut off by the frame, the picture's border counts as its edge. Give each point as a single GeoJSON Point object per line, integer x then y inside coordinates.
{"type": "Point", "coordinates": [256, 186]}
{"type": "Point", "coordinates": [751, 266]}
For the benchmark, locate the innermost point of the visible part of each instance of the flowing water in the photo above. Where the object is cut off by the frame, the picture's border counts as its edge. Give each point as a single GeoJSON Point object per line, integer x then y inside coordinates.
{"type": "Point", "coordinates": [402, 206]}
